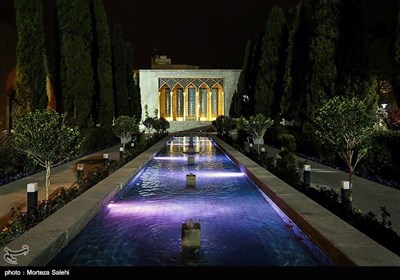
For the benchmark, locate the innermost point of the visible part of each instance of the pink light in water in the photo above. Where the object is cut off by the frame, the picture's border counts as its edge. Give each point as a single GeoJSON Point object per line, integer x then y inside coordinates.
{"type": "Point", "coordinates": [219, 174]}
{"type": "Point", "coordinates": [168, 209]}
{"type": "Point", "coordinates": [170, 158]}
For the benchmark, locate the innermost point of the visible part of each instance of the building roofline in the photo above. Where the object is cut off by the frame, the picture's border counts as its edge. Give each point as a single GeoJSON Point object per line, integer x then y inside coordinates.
{"type": "Point", "coordinates": [188, 70]}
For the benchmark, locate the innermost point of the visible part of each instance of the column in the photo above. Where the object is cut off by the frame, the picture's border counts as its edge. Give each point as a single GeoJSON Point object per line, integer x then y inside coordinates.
{"type": "Point", "coordinates": [170, 104]}
{"type": "Point", "coordinates": [185, 103]}
{"type": "Point", "coordinates": [197, 104]}
{"type": "Point", "coordinates": [209, 105]}
{"type": "Point", "coordinates": [222, 103]}
{"type": "Point", "coordinates": [159, 104]}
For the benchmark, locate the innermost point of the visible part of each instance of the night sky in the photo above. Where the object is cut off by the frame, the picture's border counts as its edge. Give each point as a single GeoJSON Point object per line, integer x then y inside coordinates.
{"type": "Point", "coordinates": [207, 33]}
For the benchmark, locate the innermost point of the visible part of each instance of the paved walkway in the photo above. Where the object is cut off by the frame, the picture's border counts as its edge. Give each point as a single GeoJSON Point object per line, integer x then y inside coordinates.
{"type": "Point", "coordinates": [64, 175]}
{"type": "Point", "coordinates": [367, 195]}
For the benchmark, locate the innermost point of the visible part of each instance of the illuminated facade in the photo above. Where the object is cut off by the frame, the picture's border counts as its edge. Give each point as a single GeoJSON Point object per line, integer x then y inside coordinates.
{"type": "Point", "coordinates": [187, 98]}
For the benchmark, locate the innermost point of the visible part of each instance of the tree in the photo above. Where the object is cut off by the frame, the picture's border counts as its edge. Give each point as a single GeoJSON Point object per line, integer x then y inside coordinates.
{"type": "Point", "coordinates": [119, 72]}
{"type": "Point", "coordinates": [129, 77]}
{"type": "Point", "coordinates": [297, 64]}
{"type": "Point", "coordinates": [30, 83]}
{"type": "Point", "coordinates": [236, 108]}
{"type": "Point", "coordinates": [271, 63]}
{"type": "Point", "coordinates": [102, 62]}
{"type": "Point", "coordinates": [161, 125]}
{"type": "Point", "coordinates": [322, 74]}
{"type": "Point", "coordinates": [135, 107]}
{"type": "Point", "coordinates": [256, 126]}
{"type": "Point", "coordinates": [251, 78]}
{"type": "Point", "coordinates": [345, 126]}
{"type": "Point", "coordinates": [351, 54]}
{"type": "Point", "coordinates": [76, 68]}
{"type": "Point", "coordinates": [285, 102]}
{"type": "Point", "coordinates": [363, 55]}
{"type": "Point", "coordinates": [396, 61]}
{"type": "Point", "coordinates": [125, 127]}
{"type": "Point", "coordinates": [45, 137]}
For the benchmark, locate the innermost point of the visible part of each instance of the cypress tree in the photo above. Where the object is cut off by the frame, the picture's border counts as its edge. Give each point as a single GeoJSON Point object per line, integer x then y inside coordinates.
{"type": "Point", "coordinates": [396, 62]}
{"type": "Point", "coordinates": [251, 78]}
{"type": "Point", "coordinates": [355, 76]}
{"type": "Point", "coordinates": [102, 65]}
{"type": "Point", "coordinates": [323, 73]}
{"type": "Point", "coordinates": [270, 62]}
{"type": "Point", "coordinates": [76, 70]}
{"type": "Point", "coordinates": [286, 99]}
{"type": "Point", "coordinates": [129, 77]}
{"type": "Point", "coordinates": [135, 105]}
{"type": "Point", "coordinates": [119, 73]}
{"type": "Point", "coordinates": [297, 64]}
{"type": "Point", "coordinates": [236, 109]}
{"type": "Point", "coordinates": [30, 83]}
{"type": "Point", "coordinates": [137, 99]}
{"type": "Point", "coordinates": [351, 49]}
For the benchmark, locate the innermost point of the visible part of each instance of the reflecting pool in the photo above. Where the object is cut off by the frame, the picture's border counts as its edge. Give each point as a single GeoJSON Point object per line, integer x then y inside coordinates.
{"type": "Point", "coordinates": [240, 226]}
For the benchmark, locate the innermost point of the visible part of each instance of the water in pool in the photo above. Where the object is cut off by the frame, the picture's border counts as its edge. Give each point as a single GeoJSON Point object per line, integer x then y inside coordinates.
{"type": "Point", "coordinates": [240, 226]}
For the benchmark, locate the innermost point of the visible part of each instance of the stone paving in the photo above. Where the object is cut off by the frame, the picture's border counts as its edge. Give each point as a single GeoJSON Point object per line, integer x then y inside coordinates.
{"type": "Point", "coordinates": [14, 194]}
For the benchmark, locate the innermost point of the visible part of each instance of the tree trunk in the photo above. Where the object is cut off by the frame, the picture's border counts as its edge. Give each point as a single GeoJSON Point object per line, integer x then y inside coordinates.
{"type": "Point", "coordinates": [351, 184]}
{"type": "Point", "coordinates": [47, 180]}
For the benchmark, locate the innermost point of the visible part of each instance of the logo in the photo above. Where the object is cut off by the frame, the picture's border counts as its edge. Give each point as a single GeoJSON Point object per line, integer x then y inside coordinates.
{"type": "Point", "coordinates": [10, 255]}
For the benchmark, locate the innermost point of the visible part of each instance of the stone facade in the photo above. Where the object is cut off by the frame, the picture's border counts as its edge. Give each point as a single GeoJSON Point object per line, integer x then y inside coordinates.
{"type": "Point", "coordinates": [187, 98]}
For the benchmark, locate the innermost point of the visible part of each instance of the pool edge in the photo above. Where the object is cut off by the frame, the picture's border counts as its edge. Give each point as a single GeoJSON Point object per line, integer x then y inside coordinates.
{"type": "Point", "coordinates": [339, 240]}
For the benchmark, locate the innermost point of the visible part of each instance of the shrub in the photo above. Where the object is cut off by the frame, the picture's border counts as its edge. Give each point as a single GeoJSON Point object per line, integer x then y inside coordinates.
{"type": "Point", "coordinates": [393, 121]}
{"type": "Point", "coordinates": [95, 139]}
{"type": "Point", "coordinates": [369, 224]}
{"type": "Point", "coordinates": [287, 141]}
{"type": "Point", "coordinates": [219, 124]}
{"type": "Point", "coordinates": [149, 123]}
{"type": "Point", "coordinates": [224, 125]}
{"type": "Point", "coordinates": [257, 125]}
{"type": "Point", "coordinates": [383, 160]}
{"type": "Point", "coordinates": [161, 125]}
{"type": "Point", "coordinates": [11, 161]}
{"type": "Point", "coordinates": [125, 127]}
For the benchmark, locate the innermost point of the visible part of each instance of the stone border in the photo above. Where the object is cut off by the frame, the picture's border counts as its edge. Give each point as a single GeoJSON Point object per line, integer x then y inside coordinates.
{"type": "Point", "coordinates": [341, 241]}
{"type": "Point", "coordinates": [47, 238]}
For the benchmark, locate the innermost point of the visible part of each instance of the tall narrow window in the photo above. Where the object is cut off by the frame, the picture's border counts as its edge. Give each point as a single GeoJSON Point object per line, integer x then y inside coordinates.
{"type": "Point", "coordinates": [203, 102]}
{"type": "Point", "coordinates": [167, 102]}
{"type": "Point", "coordinates": [192, 103]}
{"type": "Point", "coordinates": [179, 102]}
{"type": "Point", "coordinates": [214, 103]}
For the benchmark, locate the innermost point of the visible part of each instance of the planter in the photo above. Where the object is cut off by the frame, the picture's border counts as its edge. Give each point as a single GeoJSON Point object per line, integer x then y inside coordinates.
{"type": "Point", "coordinates": [125, 140]}
{"type": "Point", "coordinates": [258, 141]}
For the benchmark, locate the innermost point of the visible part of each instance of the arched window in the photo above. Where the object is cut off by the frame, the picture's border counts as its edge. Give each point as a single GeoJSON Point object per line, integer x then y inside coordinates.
{"type": "Point", "coordinates": [214, 103]}
{"type": "Point", "coordinates": [167, 102]}
{"type": "Point", "coordinates": [203, 102]}
{"type": "Point", "coordinates": [192, 102]}
{"type": "Point", "coordinates": [179, 102]}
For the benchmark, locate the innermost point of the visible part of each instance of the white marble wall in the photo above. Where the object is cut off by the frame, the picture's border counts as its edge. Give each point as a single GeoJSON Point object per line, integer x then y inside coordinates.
{"type": "Point", "coordinates": [148, 82]}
